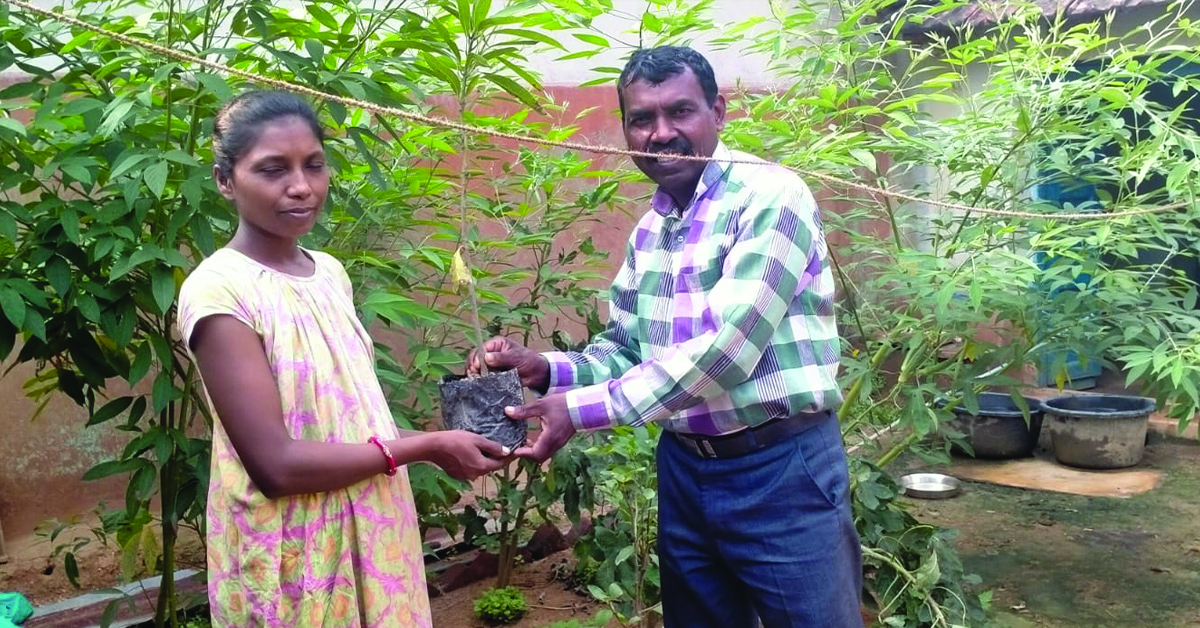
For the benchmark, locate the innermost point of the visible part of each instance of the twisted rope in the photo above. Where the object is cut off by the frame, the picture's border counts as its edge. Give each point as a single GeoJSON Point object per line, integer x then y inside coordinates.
{"type": "Point", "coordinates": [435, 121]}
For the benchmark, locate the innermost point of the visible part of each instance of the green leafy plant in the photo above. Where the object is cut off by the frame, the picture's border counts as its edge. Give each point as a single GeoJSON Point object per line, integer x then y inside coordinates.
{"type": "Point", "coordinates": [524, 490]}
{"type": "Point", "coordinates": [103, 203]}
{"type": "Point", "coordinates": [517, 244]}
{"type": "Point", "coordinates": [501, 606]}
{"type": "Point", "coordinates": [622, 543]}
{"type": "Point", "coordinates": [599, 620]}
{"type": "Point", "coordinates": [911, 574]}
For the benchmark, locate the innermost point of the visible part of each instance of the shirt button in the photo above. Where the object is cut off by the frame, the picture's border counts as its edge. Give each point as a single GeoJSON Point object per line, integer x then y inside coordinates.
{"type": "Point", "coordinates": [679, 239]}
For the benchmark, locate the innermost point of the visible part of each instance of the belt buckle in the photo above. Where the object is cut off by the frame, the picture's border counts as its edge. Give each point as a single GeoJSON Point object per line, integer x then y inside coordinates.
{"type": "Point", "coordinates": [698, 445]}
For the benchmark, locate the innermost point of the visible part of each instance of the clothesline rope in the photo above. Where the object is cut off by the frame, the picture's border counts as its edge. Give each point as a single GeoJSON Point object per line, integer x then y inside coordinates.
{"type": "Point", "coordinates": [436, 121]}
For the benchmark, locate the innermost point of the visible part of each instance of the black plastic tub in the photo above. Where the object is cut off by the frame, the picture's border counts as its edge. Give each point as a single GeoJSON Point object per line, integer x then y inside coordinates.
{"type": "Point", "coordinates": [999, 430]}
{"type": "Point", "coordinates": [1098, 431]}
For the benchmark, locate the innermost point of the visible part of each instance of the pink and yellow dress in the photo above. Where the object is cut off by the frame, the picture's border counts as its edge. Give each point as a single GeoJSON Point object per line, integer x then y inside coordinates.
{"type": "Point", "coordinates": [346, 558]}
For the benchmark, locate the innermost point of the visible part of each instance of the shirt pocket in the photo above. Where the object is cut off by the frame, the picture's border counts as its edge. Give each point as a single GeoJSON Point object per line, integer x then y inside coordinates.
{"type": "Point", "coordinates": [700, 278]}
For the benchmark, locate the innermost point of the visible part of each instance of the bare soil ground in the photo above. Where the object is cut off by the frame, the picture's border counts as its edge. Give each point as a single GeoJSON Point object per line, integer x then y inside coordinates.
{"type": "Point", "coordinates": [549, 600]}
{"type": "Point", "coordinates": [1068, 561]}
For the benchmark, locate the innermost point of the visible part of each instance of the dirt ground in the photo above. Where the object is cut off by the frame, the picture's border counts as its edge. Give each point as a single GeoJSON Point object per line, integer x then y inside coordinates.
{"type": "Point", "coordinates": [1066, 561]}
{"type": "Point", "coordinates": [548, 599]}
{"type": "Point", "coordinates": [31, 572]}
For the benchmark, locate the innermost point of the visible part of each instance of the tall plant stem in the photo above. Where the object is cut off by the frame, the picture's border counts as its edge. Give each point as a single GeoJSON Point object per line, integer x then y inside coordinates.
{"type": "Point", "coordinates": [881, 354]}
{"type": "Point", "coordinates": [897, 449]}
{"type": "Point", "coordinates": [463, 180]}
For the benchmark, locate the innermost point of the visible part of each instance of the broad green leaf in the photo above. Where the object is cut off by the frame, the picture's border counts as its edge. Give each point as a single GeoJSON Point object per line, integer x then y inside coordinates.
{"type": "Point", "coordinates": [315, 50]}
{"type": "Point", "coordinates": [162, 392]}
{"type": "Point", "coordinates": [142, 359]}
{"type": "Point", "coordinates": [322, 16]}
{"type": "Point", "coordinates": [142, 482]}
{"type": "Point", "coordinates": [34, 323]}
{"type": "Point", "coordinates": [77, 41]}
{"type": "Point", "coordinates": [72, 569]}
{"type": "Point", "coordinates": [8, 227]}
{"type": "Point", "coordinates": [150, 549]}
{"type": "Point", "coordinates": [13, 305]}
{"type": "Point", "coordinates": [202, 234]}
{"type": "Point", "coordinates": [864, 157]}
{"type": "Point", "coordinates": [129, 558]}
{"type": "Point", "coordinates": [589, 38]}
{"type": "Point", "coordinates": [70, 224]}
{"type": "Point", "coordinates": [180, 157]}
{"type": "Point", "coordinates": [156, 178]}
{"type": "Point", "coordinates": [81, 106]}
{"type": "Point", "coordinates": [514, 89]}
{"type": "Point", "coordinates": [651, 22]}
{"type": "Point", "coordinates": [58, 273]}
{"type": "Point", "coordinates": [217, 84]}
{"type": "Point", "coordinates": [13, 125]}
{"type": "Point", "coordinates": [162, 285]}
{"type": "Point", "coordinates": [114, 116]}
{"type": "Point", "coordinates": [110, 410]}
{"type": "Point", "coordinates": [20, 90]}
{"type": "Point", "coordinates": [110, 467]}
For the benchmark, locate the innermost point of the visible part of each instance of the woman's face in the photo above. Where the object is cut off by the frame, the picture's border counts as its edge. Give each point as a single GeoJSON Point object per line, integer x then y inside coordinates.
{"type": "Point", "coordinates": [280, 183]}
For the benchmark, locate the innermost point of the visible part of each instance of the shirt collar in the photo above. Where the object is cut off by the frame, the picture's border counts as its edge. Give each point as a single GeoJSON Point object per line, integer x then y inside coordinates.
{"type": "Point", "coordinates": [713, 172]}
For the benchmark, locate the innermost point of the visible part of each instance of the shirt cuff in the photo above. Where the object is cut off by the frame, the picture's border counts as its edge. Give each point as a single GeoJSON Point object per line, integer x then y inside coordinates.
{"type": "Point", "coordinates": [562, 372]}
{"type": "Point", "coordinates": [591, 406]}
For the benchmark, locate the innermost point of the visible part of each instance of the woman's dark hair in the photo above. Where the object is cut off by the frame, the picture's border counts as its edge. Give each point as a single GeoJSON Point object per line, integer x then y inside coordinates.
{"type": "Point", "coordinates": [236, 127]}
{"type": "Point", "coordinates": [655, 65]}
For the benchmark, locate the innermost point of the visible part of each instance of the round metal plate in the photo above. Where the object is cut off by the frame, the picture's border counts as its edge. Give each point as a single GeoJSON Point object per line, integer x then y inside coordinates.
{"type": "Point", "coordinates": [930, 485]}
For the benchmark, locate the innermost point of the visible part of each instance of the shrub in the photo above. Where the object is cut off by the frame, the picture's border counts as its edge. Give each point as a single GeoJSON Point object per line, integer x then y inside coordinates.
{"type": "Point", "coordinates": [500, 606]}
{"type": "Point", "coordinates": [600, 620]}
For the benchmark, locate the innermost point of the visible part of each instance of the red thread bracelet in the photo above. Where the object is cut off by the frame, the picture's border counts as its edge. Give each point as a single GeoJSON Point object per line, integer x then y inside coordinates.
{"type": "Point", "coordinates": [387, 453]}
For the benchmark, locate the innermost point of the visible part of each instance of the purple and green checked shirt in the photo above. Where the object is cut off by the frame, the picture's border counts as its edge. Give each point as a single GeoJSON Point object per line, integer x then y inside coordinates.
{"type": "Point", "coordinates": [721, 316]}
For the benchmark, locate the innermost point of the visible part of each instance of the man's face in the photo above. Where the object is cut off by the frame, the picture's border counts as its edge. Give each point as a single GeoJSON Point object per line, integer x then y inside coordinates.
{"type": "Point", "coordinates": [672, 117]}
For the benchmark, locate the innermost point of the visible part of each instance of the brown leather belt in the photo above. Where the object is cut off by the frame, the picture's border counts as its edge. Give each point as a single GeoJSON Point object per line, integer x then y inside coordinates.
{"type": "Point", "coordinates": [750, 439]}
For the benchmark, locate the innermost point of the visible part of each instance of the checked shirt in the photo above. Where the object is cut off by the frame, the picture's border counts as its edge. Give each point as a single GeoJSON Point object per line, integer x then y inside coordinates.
{"type": "Point", "coordinates": [721, 316]}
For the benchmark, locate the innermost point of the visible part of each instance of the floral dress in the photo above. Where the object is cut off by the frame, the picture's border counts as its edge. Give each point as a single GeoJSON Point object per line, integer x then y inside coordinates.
{"type": "Point", "coordinates": [350, 557]}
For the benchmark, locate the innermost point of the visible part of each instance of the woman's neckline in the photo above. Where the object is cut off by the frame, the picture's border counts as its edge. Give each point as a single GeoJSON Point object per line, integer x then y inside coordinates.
{"type": "Point", "coordinates": [276, 271]}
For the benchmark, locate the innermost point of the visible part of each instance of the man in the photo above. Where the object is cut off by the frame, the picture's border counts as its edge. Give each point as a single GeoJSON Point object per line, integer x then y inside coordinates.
{"type": "Point", "coordinates": [722, 327]}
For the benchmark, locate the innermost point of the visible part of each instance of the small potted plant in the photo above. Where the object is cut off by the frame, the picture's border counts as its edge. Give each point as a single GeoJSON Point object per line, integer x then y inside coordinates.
{"type": "Point", "coordinates": [476, 404]}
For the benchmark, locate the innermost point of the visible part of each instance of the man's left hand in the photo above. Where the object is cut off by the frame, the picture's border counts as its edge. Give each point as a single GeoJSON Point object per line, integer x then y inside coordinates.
{"type": "Point", "coordinates": [557, 427]}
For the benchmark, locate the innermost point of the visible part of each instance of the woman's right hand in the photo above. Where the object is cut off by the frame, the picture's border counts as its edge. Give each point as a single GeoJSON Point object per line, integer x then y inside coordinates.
{"type": "Point", "coordinates": [466, 456]}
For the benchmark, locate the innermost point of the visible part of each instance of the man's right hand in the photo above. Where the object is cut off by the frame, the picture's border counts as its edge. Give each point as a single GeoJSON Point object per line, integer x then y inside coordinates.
{"type": "Point", "coordinates": [502, 354]}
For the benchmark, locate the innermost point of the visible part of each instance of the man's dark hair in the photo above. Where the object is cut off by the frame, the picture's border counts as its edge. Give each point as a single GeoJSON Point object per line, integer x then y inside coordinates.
{"type": "Point", "coordinates": [655, 65]}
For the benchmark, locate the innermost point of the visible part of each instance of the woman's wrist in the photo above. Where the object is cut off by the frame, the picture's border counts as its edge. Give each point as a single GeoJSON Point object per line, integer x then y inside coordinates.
{"type": "Point", "coordinates": [392, 465]}
{"type": "Point", "coordinates": [415, 448]}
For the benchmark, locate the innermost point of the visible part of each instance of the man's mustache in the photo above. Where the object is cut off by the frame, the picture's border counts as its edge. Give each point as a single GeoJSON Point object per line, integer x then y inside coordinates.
{"type": "Point", "coordinates": [677, 147]}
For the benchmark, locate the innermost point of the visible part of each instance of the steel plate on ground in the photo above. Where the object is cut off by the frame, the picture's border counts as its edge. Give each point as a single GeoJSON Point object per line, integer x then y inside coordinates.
{"type": "Point", "coordinates": [930, 485]}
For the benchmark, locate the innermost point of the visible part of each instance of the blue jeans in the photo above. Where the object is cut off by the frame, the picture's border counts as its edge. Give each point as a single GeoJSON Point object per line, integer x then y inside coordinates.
{"type": "Point", "coordinates": [766, 535]}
